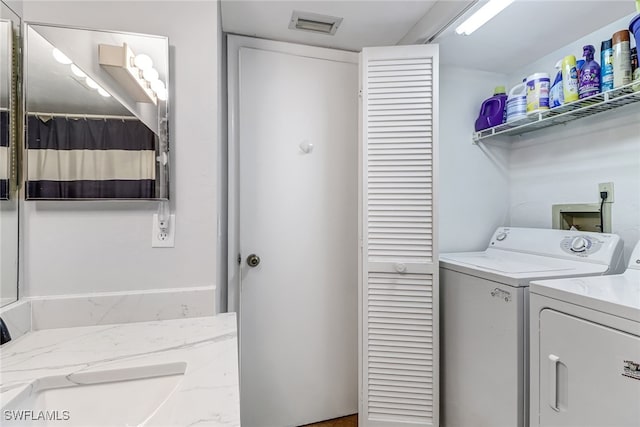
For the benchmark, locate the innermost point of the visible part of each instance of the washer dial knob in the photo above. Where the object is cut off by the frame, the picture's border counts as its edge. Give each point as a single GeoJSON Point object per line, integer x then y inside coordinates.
{"type": "Point", "coordinates": [501, 236]}
{"type": "Point", "coordinates": [579, 244]}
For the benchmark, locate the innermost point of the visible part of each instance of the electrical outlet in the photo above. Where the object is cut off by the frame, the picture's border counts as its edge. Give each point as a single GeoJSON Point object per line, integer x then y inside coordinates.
{"type": "Point", "coordinates": [608, 187]}
{"type": "Point", "coordinates": [163, 238]}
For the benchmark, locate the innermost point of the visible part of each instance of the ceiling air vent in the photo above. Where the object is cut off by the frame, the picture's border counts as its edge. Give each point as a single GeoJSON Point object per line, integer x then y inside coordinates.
{"type": "Point", "coordinates": [315, 23]}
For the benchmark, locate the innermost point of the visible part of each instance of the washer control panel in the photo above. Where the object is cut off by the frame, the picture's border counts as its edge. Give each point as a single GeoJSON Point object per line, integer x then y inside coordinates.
{"type": "Point", "coordinates": [581, 245]}
{"type": "Point", "coordinates": [600, 248]}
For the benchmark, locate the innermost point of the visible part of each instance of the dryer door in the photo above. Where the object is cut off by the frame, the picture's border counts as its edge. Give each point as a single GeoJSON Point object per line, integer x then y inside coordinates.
{"type": "Point", "coordinates": [587, 373]}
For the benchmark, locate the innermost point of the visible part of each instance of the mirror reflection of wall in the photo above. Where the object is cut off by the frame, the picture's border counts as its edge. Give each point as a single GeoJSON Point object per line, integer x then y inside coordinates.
{"type": "Point", "coordinates": [96, 114]}
{"type": "Point", "coordinates": [9, 36]}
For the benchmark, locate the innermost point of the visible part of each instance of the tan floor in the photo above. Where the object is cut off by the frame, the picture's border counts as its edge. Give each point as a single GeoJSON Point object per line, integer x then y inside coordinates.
{"type": "Point", "coordinates": [351, 421]}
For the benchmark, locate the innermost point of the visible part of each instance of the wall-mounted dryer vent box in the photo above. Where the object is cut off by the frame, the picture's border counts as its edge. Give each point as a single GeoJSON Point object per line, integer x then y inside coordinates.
{"type": "Point", "coordinates": [583, 217]}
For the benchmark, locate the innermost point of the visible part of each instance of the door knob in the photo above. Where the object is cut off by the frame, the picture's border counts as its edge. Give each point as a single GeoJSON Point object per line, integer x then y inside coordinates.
{"type": "Point", "coordinates": [253, 260]}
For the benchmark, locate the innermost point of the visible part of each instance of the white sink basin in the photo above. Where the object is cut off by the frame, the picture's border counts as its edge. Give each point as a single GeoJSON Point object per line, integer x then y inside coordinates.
{"type": "Point", "coordinates": [118, 397]}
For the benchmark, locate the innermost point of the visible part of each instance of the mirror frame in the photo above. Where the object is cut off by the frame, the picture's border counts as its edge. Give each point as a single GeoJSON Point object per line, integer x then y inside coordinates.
{"type": "Point", "coordinates": [13, 201]}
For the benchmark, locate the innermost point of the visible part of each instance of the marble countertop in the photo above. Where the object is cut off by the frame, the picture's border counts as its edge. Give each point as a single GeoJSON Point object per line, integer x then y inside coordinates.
{"type": "Point", "coordinates": [207, 394]}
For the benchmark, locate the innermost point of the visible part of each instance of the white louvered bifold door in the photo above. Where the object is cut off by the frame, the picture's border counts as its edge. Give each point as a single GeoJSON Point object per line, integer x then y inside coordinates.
{"type": "Point", "coordinates": [399, 258]}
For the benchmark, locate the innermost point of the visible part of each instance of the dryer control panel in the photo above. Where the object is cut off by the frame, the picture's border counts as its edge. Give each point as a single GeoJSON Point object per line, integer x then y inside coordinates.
{"type": "Point", "coordinates": [581, 245]}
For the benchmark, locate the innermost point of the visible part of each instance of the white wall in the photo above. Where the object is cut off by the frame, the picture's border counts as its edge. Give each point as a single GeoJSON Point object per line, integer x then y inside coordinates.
{"type": "Point", "coordinates": [564, 164]}
{"type": "Point", "coordinates": [547, 63]}
{"type": "Point", "coordinates": [76, 247]}
{"type": "Point", "coordinates": [474, 182]}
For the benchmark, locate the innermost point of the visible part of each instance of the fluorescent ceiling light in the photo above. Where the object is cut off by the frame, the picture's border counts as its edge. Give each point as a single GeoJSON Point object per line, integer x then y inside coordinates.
{"type": "Point", "coordinates": [482, 16]}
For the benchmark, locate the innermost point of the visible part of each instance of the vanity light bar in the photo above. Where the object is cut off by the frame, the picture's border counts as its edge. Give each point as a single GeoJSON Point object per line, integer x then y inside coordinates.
{"type": "Point", "coordinates": [118, 61]}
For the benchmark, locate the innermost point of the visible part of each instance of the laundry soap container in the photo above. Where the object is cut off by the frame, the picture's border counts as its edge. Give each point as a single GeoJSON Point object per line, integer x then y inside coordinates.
{"type": "Point", "coordinates": [517, 103]}
{"type": "Point", "coordinates": [493, 110]}
{"type": "Point", "coordinates": [538, 85]}
{"type": "Point", "coordinates": [589, 74]}
{"type": "Point", "coordinates": [634, 27]}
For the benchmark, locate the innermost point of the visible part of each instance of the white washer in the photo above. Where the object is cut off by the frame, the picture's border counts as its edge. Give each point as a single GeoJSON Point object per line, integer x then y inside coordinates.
{"type": "Point", "coordinates": [585, 350]}
{"type": "Point", "coordinates": [484, 317]}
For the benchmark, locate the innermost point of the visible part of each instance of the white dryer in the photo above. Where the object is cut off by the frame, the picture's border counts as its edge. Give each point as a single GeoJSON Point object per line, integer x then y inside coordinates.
{"type": "Point", "coordinates": [585, 350]}
{"type": "Point", "coordinates": [484, 317]}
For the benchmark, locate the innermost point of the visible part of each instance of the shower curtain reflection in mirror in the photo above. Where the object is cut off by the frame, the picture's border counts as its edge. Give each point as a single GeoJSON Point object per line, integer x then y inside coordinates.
{"type": "Point", "coordinates": [90, 158]}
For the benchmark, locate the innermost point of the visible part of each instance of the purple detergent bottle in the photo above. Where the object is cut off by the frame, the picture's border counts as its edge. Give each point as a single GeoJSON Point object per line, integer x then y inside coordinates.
{"type": "Point", "coordinates": [493, 111]}
{"type": "Point", "coordinates": [589, 80]}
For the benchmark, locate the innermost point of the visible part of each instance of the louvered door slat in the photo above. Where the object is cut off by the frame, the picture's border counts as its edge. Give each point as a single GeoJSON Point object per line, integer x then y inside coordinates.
{"type": "Point", "coordinates": [399, 307]}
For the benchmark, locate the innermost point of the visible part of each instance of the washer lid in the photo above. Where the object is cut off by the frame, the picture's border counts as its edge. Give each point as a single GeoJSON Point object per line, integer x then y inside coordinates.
{"type": "Point", "coordinates": [618, 295]}
{"type": "Point", "coordinates": [516, 268]}
{"type": "Point", "coordinates": [504, 263]}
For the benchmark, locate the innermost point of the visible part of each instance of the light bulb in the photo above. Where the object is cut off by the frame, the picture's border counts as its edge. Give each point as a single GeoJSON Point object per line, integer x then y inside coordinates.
{"type": "Point", "coordinates": [103, 92]}
{"type": "Point", "coordinates": [157, 85]}
{"type": "Point", "coordinates": [61, 57]}
{"type": "Point", "coordinates": [150, 74]}
{"type": "Point", "coordinates": [162, 94]}
{"type": "Point", "coordinates": [77, 71]}
{"type": "Point", "coordinates": [91, 83]}
{"type": "Point", "coordinates": [143, 62]}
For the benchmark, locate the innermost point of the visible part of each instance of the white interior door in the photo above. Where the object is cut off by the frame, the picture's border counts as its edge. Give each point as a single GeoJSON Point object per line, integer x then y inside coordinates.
{"type": "Point", "coordinates": [299, 214]}
{"type": "Point", "coordinates": [399, 275]}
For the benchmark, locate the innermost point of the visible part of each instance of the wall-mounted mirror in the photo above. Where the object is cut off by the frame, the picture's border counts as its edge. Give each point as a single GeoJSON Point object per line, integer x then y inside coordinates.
{"type": "Point", "coordinates": [96, 114]}
{"type": "Point", "coordinates": [9, 41]}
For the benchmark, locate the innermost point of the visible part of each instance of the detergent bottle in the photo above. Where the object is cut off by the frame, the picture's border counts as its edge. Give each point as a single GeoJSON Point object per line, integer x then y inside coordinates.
{"type": "Point", "coordinates": [517, 102]}
{"type": "Point", "coordinates": [556, 94]}
{"type": "Point", "coordinates": [589, 74]}
{"type": "Point", "coordinates": [493, 110]}
{"type": "Point", "coordinates": [570, 78]}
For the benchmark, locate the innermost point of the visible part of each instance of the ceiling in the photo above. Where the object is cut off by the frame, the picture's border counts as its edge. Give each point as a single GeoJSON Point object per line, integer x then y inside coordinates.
{"type": "Point", "coordinates": [526, 30]}
{"type": "Point", "coordinates": [366, 23]}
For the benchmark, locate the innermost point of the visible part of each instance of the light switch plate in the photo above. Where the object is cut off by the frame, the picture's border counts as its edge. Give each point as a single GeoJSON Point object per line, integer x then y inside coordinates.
{"type": "Point", "coordinates": [160, 239]}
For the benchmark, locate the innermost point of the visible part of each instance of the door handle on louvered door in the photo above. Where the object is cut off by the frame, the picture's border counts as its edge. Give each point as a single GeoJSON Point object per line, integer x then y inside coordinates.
{"type": "Point", "coordinates": [253, 260]}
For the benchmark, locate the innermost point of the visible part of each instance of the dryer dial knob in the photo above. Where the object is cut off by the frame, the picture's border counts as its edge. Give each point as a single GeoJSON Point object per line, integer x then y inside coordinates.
{"type": "Point", "coordinates": [579, 244]}
{"type": "Point", "coordinates": [501, 236]}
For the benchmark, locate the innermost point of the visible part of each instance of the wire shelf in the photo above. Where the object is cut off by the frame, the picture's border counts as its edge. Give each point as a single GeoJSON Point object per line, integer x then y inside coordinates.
{"type": "Point", "coordinates": [582, 108]}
